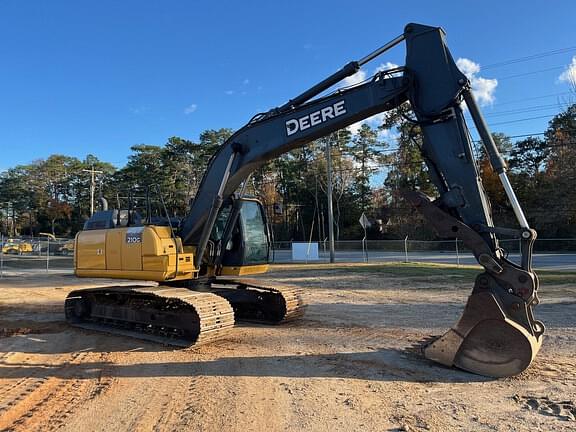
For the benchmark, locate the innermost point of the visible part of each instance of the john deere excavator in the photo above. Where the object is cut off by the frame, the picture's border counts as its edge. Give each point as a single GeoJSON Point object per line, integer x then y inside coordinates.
{"type": "Point", "coordinates": [199, 260]}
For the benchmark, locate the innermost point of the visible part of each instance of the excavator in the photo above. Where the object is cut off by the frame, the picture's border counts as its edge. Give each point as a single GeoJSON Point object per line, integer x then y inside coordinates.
{"type": "Point", "coordinates": [199, 261]}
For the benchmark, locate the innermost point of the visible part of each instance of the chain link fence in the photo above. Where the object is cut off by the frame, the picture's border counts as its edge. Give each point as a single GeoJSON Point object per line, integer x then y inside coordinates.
{"type": "Point", "coordinates": [27, 253]}
{"type": "Point", "coordinates": [439, 251]}
{"type": "Point", "coordinates": [48, 253]}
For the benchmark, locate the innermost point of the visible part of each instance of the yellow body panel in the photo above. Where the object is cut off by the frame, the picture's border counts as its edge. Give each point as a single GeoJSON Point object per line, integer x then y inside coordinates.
{"type": "Point", "coordinates": [89, 251]}
{"type": "Point", "coordinates": [114, 240]}
{"type": "Point", "coordinates": [132, 251]}
{"type": "Point", "coordinates": [143, 253]}
{"type": "Point", "coordinates": [244, 270]}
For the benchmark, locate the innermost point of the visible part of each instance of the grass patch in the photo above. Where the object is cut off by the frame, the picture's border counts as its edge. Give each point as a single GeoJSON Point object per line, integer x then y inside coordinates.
{"type": "Point", "coordinates": [421, 271]}
{"type": "Point", "coordinates": [556, 278]}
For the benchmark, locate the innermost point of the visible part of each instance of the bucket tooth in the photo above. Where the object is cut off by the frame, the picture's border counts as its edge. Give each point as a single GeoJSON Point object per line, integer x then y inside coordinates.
{"type": "Point", "coordinates": [444, 349]}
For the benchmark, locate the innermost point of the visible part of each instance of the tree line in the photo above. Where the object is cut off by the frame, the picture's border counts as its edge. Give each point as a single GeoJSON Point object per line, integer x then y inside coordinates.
{"type": "Point", "coordinates": [369, 172]}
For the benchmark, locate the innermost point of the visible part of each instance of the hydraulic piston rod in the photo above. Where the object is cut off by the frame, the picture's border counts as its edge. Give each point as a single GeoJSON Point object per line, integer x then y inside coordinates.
{"type": "Point", "coordinates": [496, 160]}
{"type": "Point", "coordinates": [381, 50]}
{"type": "Point", "coordinates": [349, 69]}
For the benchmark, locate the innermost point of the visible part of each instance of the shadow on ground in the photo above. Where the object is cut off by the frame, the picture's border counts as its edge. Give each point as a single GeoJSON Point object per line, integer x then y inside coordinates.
{"type": "Point", "coordinates": [381, 365]}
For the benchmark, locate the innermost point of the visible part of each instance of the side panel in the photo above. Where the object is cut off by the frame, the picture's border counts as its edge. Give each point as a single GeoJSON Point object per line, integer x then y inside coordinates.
{"type": "Point", "coordinates": [132, 249]}
{"type": "Point", "coordinates": [114, 239]}
{"type": "Point", "coordinates": [90, 251]}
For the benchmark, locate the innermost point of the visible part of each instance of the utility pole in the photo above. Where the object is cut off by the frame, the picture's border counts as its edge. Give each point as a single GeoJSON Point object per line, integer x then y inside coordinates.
{"type": "Point", "coordinates": [329, 193]}
{"type": "Point", "coordinates": [93, 173]}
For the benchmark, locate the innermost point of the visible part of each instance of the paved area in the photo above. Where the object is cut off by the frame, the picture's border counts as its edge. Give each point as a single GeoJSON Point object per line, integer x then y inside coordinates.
{"type": "Point", "coordinates": [551, 261]}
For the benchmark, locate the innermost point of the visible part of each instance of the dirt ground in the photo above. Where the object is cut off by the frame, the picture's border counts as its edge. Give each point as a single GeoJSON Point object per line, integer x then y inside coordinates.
{"type": "Point", "coordinates": [344, 367]}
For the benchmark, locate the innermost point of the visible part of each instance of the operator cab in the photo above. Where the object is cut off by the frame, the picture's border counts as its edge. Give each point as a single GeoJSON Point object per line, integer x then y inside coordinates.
{"type": "Point", "coordinates": [249, 242]}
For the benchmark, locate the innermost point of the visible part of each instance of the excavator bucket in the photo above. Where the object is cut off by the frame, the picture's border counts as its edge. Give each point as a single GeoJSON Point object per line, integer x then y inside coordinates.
{"type": "Point", "coordinates": [497, 335]}
{"type": "Point", "coordinates": [486, 341]}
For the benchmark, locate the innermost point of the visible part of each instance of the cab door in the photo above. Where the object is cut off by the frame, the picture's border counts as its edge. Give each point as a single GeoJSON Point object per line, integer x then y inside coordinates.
{"type": "Point", "coordinates": [250, 241]}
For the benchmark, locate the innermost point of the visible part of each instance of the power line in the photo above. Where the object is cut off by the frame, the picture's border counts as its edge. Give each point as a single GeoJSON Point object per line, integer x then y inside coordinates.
{"type": "Point", "coordinates": [531, 73]}
{"type": "Point", "coordinates": [529, 58]}
{"type": "Point", "coordinates": [521, 110]}
{"type": "Point", "coordinates": [531, 98]}
{"type": "Point", "coordinates": [491, 125]}
{"type": "Point", "coordinates": [522, 120]}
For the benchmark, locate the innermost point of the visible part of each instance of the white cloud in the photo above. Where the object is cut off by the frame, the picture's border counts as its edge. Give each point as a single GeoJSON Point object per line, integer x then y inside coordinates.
{"type": "Point", "coordinates": [483, 88]}
{"type": "Point", "coordinates": [569, 75]}
{"type": "Point", "coordinates": [386, 66]}
{"type": "Point", "coordinates": [246, 81]}
{"type": "Point", "coordinates": [390, 135]}
{"type": "Point", "coordinates": [357, 78]}
{"type": "Point", "coordinates": [190, 109]}
{"type": "Point", "coordinates": [374, 122]}
{"type": "Point", "coordinates": [468, 67]}
{"type": "Point", "coordinates": [377, 119]}
{"type": "Point", "coordinates": [229, 92]}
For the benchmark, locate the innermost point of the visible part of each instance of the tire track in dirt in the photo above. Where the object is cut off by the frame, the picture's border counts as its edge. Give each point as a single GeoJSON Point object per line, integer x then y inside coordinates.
{"type": "Point", "coordinates": [5, 355]}
{"type": "Point", "coordinates": [179, 408]}
{"type": "Point", "coordinates": [18, 391]}
{"type": "Point", "coordinates": [133, 402]}
{"type": "Point", "coordinates": [158, 396]}
{"type": "Point", "coordinates": [196, 400]}
{"type": "Point", "coordinates": [44, 403]}
{"type": "Point", "coordinates": [14, 393]}
{"type": "Point", "coordinates": [192, 400]}
{"type": "Point", "coordinates": [51, 411]}
{"type": "Point", "coordinates": [104, 380]}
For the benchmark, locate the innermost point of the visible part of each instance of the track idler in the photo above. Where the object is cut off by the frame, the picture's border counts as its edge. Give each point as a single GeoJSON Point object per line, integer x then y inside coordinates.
{"type": "Point", "coordinates": [258, 301]}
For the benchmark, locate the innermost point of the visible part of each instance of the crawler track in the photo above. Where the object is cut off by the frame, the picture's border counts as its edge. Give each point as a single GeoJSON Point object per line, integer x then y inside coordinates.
{"type": "Point", "coordinates": [259, 301]}
{"type": "Point", "coordinates": [173, 316]}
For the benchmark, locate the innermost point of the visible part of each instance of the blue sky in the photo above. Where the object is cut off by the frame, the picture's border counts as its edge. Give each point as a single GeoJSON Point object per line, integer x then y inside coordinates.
{"type": "Point", "coordinates": [98, 77]}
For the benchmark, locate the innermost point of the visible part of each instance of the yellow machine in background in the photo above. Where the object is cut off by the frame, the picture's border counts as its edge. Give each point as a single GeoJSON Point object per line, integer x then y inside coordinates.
{"type": "Point", "coordinates": [17, 247]}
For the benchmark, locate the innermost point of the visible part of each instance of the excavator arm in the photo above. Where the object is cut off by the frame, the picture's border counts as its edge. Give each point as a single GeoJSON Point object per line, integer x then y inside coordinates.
{"type": "Point", "coordinates": [497, 334]}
